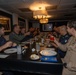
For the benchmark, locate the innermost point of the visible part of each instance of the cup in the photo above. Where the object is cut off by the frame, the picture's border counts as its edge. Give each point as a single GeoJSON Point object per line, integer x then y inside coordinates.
{"type": "Point", "coordinates": [52, 38]}
{"type": "Point", "coordinates": [19, 51]}
{"type": "Point", "coordinates": [37, 47]}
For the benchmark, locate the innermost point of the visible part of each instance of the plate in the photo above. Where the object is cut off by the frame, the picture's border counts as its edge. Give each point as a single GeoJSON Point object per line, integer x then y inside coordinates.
{"type": "Point", "coordinates": [49, 49]}
{"type": "Point", "coordinates": [27, 42]}
{"type": "Point", "coordinates": [48, 53]}
{"type": "Point", "coordinates": [11, 50]}
{"type": "Point", "coordinates": [34, 57]}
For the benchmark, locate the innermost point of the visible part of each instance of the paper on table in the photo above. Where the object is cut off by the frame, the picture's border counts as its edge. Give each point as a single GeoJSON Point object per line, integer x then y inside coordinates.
{"type": "Point", "coordinates": [3, 56]}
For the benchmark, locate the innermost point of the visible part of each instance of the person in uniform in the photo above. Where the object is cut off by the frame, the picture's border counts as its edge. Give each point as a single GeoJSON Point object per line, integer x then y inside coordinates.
{"type": "Point", "coordinates": [64, 37]}
{"type": "Point", "coordinates": [70, 58]}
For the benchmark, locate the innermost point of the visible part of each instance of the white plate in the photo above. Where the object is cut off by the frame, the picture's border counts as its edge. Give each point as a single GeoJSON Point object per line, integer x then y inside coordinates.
{"type": "Point", "coordinates": [11, 50]}
{"type": "Point", "coordinates": [49, 49]}
{"type": "Point", "coordinates": [27, 42]}
{"type": "Point", "coordinates": [34, 57]}
{"type": "Point", "coordinates": [48, 52]}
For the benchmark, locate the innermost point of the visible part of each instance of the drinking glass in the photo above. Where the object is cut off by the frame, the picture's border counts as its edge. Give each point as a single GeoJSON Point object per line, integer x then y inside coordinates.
{"type": "Point", "coordinates": [37, 47]}
{"type": "Point", "coordinates": [52, 38]}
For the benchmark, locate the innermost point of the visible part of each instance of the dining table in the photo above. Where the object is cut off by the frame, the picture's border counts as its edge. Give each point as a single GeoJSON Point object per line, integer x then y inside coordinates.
{"type": "Point", "coordinates": [23, 63]}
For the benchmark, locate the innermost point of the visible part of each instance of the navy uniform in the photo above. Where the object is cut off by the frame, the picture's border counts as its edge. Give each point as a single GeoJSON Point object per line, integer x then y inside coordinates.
{"type": "Point", "coordinates": [63, 40]}
{"type": "Point", "coordinates": [2, 40]}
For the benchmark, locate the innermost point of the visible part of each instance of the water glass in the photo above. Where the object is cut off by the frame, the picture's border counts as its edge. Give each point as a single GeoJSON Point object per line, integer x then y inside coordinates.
{"type": "Point", "coordinates": [37, 47]}
{"type": "Point", "coordinates": [19, 49]}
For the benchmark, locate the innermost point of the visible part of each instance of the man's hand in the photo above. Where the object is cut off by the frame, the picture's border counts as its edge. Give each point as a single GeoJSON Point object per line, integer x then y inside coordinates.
{"type": "Point", "coordinates": [8, 44]}
{"type": "Point", "coordinates": [14, 44]}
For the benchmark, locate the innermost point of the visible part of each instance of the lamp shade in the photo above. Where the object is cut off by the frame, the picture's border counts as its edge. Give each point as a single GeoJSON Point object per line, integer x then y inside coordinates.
{"type": "Point", "coordinates": [39, 14]}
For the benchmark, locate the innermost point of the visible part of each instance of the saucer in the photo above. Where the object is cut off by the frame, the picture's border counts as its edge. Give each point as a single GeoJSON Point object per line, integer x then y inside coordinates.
{"type": "Point", "coordinates": [34, 57]}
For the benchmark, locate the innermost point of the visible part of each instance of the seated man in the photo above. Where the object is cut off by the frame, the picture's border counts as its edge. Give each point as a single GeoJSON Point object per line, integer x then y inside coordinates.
{"type": "Point", "coordinates": [15, 36]}
{"type": "Point", "coordinates": [63, 38]}
{"type": "Point", "coordinates": [31, 35]}
{"type": "Point", "coordinates": [4, 45]}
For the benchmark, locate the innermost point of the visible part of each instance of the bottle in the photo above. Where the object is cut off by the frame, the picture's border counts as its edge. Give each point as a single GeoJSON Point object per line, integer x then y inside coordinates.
{"type": "Point", "coordinates": [19, 51]}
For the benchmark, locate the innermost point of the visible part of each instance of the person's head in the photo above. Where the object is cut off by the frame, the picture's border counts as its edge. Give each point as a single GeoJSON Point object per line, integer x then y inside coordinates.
{"type": "Point", "coordinates": [71, 27]}
{"type": "Point", "coordinates": [16, 28]}
{"type": "Point", "coordinates": [63, 30]}
{"type": "Point", "coordinates": [2, 30]}
{"type": "Point", "coordinates": [32, 29]}
{"type": "Point", "coordinates": [35, 33]}
{"type": "Point", "coordinates": [23, 30]}
{"type": "Point", "coordinates": [56, 29]}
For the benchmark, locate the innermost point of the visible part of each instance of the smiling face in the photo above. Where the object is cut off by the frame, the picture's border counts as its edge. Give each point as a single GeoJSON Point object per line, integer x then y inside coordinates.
{"type": "Point", "coordinates": [71, 27]}
{"type": "Point", "coordinates": [17, 29]}
{"type": "Point", "coordinates": [23, 30]}
{"type": "Point", "coordinates": [71, 31]}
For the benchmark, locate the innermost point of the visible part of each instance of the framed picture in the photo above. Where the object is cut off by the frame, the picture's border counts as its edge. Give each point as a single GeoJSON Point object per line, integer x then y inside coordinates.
{"type": "Point", "coordinates": [5, 21]}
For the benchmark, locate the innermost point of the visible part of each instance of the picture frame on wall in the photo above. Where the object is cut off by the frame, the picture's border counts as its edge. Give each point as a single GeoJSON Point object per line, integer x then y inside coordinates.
{"type": "Point", "coordinates": [5, 21]}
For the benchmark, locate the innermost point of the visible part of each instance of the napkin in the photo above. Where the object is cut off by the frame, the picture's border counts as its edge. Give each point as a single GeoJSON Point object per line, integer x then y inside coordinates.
{"type": "Point", "coordinates": [3, 56]}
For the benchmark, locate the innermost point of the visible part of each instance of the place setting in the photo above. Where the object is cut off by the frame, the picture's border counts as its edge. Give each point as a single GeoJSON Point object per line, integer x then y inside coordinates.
{"type": "Point", "coordinates": [10, 50]}
{"type": "Point", "coordinates": [48, 55]}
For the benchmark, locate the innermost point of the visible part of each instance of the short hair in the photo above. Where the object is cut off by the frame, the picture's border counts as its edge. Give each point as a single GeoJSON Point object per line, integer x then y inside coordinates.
{"type": "Point", "coordinates": [72, 24]}
{"type": "Point", "coordinates": [22, 28]}
{"type": "Point", "coordinates": [63, 27]}
{"type": "Point", "coordinates": [1, 26]}
{"type": "Point", "coordinates": [14, 25]}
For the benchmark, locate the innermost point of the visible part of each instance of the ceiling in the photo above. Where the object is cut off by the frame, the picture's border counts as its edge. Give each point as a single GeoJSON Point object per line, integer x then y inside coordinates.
{"type": "Point", "coordinates": [59, 9]}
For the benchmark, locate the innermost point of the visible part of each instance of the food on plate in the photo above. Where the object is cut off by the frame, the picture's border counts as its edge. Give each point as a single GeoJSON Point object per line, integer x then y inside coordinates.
{"type": "Point", "coordinates": [34, 57]}
{"type": "Point", "coordinates": [48, 53]}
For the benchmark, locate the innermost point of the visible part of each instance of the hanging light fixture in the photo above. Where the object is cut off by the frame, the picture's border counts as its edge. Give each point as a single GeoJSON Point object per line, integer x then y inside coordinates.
{"type": "Point", "coordinates": [44, 20]}
{"type": "Point", "coordinates": [39, 14]}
